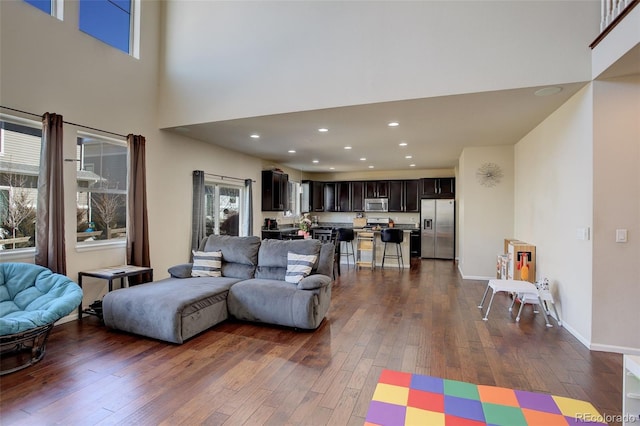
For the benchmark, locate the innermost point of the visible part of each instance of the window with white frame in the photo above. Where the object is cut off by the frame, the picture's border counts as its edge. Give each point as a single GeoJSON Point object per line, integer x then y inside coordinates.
{"type": "Point", "coordinates": [50, 7]}
{"type": "Point", "coordinates": [223, 208]}
{"type": "Point", "coordinates": [293, 208]}
{"type": "Point", "coordinates": [20, 142]}
{"type": "Point", "coordinates": [112, 22]}
{"type": "Point", "coordinates": [102, 188]}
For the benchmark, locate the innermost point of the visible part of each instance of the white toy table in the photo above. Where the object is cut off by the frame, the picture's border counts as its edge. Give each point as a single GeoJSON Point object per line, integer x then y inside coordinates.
{"type": "Point", "coordinates": [523, 288]}
{"type": "Point", "coordinates": [543, 298]}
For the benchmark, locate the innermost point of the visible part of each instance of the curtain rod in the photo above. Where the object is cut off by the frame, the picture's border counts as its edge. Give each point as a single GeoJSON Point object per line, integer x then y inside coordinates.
{"type": "Point", "coordinates": [65, 122]}
{"type": "Point", "coordinates": [226, 177]}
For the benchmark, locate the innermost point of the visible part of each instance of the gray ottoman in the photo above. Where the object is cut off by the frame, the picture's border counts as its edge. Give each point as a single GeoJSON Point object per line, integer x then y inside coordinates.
{"type": "Point", "coordinates": [172, 309]}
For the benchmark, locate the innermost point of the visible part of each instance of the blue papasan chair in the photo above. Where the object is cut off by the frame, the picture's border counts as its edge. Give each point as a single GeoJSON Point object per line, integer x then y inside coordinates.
{"type": "Point", "coordinates": [32, 299]}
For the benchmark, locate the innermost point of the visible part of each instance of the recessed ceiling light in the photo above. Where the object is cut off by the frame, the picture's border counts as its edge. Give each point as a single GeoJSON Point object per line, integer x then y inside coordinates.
{"type": "Point", "coordinates": [408, 156]}
{"type": "Point", "coordinates": [371, 167]}
{"type": "Point", "coordinates": [292, 151]}
{"type": "Point", "coordinates": [363, 159]}
{"type": "Point", "coordinates": [323, 129]}
{"type": "Point", "coordinates": [548, 91]}
{"type": "Point", "coordinates": [255, 136]}
{"type": "Point", "coordinates": [347, 147]}
{"type": "Point", "coordinates": [402, 144]}
{"type": "Point", "coordinates": [412, 165]}
{"type": "Point", "coordinates": [393, 124]}
{"type": "Point", "coordinates": [315, 161]}
{"type": "Point", "coordinates": [332, 168]}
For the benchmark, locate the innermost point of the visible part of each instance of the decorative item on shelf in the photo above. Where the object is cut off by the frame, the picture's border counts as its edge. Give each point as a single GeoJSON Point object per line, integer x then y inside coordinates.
{"type": "Point", "coordinates": [489, 174]}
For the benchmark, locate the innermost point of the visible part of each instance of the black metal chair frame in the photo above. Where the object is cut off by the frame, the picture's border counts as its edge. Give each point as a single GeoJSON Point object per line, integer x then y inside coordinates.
{"type": "Point", "coordinates": [20, 350]}
{"type": "Point", "coordinates": [347, 253]}
{"type": "Point", "coordinates": [387, 236]}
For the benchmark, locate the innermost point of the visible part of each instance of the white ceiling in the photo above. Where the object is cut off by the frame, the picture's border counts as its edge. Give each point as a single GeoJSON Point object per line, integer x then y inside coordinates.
{"type": "Point", "coordinates": [436, 130]}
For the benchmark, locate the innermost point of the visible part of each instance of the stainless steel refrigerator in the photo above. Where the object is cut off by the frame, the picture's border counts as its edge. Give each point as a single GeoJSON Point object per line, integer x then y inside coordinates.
{"type": "Point", "coordinates": [437, 233]}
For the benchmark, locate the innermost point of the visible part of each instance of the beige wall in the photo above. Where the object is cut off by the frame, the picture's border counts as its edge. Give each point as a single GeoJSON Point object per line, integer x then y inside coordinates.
{"type": "Point", "coordinates": [553, 187]}
{"type": "Point", "coordinates": [485, 214]}
{"type": "Point", "coordinates": [374, 52]}
{"type": "Point", "coordinates": [616, 205]}
{"type": "Point", "coordinates": [93, 84]}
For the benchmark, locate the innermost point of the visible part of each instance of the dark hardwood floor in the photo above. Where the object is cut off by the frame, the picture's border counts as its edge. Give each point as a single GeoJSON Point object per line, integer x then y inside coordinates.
{"type": "Point", "coordinates": [423, 320]}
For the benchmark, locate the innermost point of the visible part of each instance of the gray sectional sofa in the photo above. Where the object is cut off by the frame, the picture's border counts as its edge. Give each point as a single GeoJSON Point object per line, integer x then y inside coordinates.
{"type": "Point", "coordinates": [251, 287]}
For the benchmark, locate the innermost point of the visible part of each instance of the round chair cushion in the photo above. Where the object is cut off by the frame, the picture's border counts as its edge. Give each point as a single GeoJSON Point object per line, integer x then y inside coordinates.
{"type": "Point", "coordinates": [32, 296]}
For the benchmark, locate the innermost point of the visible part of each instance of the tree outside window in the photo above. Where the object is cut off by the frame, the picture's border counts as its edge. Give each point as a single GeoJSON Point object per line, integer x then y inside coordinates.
{"type": "Point", "coordinates": [20, 142]}
{"type": "Point", "coordinates": [223, 207]}
{"type": "Point", "coordinates": [102, 189]}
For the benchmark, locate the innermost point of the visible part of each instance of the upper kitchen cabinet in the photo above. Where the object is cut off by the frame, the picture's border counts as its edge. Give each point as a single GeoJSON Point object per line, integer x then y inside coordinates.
{"type": "Point", "coordinates": [337, 197]}
{"type": "Point", "coordinates": [438, 187]}
{"type": "Point", "coordinates": [312, 196]}
{"type": "Point", "coordinates": [404, 196]}
{"type": "Point", "coordinates": [275, 190]}
{"type": "Point", "coordinates": [412, 196]}
{"type": "Point", "coordinates": [357, 196]}
{"type": "Point", "coordinates": [317, 196]}
{"type": "Point", "coordinates": [376, 189]}
{"type": "Point", "coordinates": [396, 195]}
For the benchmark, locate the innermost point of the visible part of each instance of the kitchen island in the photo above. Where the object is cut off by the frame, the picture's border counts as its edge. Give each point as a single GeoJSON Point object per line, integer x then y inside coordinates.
{"type": "Point", "coordinates": [379, 248]}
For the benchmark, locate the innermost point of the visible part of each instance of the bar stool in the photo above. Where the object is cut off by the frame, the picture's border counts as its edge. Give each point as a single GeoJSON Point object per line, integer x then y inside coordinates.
{"type": "Point", "coordinates": [346, 235]}
{"type": "Point", "coordinates": [393, 236]}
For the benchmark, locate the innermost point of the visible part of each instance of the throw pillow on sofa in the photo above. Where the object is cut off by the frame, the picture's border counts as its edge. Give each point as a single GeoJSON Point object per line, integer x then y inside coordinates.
{"type": "Point", "coordinates": [299, 266]}
{"type": "Point", "coordinates": [207, 264]}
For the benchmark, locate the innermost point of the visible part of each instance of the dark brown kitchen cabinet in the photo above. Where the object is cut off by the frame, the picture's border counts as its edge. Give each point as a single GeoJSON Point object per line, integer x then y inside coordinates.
{"type": "Point", "coordinates": [357, 196]}
{"type": "Point", "coordinates": [412, 196]}
{"type": "Point", "coordinates": [376, 189]}
{"type": "Point", "coordinates": [396, 195]}
{"type": "Point", "coordinates": [438, 187]}
{"type": "Point", "coordinates": [317, 196]}
{"type": "Point", "coordinates": [275, 190]}
{"type": "Point", "coordinates": [337, 197]}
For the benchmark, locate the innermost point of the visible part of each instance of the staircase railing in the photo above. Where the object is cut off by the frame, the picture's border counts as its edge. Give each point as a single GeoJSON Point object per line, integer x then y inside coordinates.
{"type": "Point", "coordinates": [611, 13]}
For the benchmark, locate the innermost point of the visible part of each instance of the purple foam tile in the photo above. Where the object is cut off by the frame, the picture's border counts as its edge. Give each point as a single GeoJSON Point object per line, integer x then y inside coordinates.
{"type": "Point", "coordinates": [537, 401]}
{"type": "Point", "coordinates": [427, 383]}
{"type": "Point", "coordinates": [386, 414]}
{"type": "Point", "coordinates": [466, 408]}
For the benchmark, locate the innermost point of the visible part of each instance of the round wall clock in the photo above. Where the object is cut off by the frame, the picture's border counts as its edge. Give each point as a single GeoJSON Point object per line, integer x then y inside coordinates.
{"type": "Point", "coordinates": [489, 174]}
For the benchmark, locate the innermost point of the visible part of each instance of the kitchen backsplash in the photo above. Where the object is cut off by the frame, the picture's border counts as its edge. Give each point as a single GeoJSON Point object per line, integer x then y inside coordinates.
{"type": "Point", "coordinates": [337, 217]}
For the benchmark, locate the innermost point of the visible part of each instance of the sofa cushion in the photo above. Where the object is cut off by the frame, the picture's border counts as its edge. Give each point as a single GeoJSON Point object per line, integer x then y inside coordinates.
{"type": "Point", "coordinates": [171, 309]}
{"type": "Point", "coordinates": [273, 256]}
{"type": "Point", "coordinates": [181, 271]}
{"type": "Point", "coordinates": [314, 281]}
{"type": "Point", "coordinates": [207, 264]}
{"type": "Point", "coordinates": [326, 260]}
{"type": "Point", "coordinates": [239, 254]}
{"type": "Point", "coordinates": [299, 266]}
{"type": "Point", "coordinates": [278, 302]}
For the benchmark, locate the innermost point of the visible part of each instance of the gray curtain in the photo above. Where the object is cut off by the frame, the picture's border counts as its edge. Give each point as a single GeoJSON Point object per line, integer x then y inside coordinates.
{"type": "Point", "coordinates": [198, 220]}
{"type": "Point", "coordinates": [137, 223]}
{"type": "Point", "coordinates": [50, 243]}
{"type": "Point", "coordinates": [247, 224]}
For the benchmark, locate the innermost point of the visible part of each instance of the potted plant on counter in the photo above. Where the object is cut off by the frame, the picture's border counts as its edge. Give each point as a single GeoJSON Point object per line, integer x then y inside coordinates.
{"type": "Point", "coordinates": [305, 225]}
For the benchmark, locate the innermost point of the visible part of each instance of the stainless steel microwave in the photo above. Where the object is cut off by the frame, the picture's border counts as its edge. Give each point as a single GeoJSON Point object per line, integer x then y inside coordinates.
{"type": "Point", "coordinates": [376, 205]}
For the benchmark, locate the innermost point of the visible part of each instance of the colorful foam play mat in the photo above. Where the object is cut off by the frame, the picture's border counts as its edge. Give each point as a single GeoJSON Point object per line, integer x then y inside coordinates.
{"type": "Point", "coordinates": [413, 399]}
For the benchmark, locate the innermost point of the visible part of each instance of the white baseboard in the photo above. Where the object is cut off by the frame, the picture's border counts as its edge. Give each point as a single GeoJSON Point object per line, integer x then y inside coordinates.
{"type": "Point", "coordinates": [473, 277]}
{"type": "Point", "coordinates": [616, 349]}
